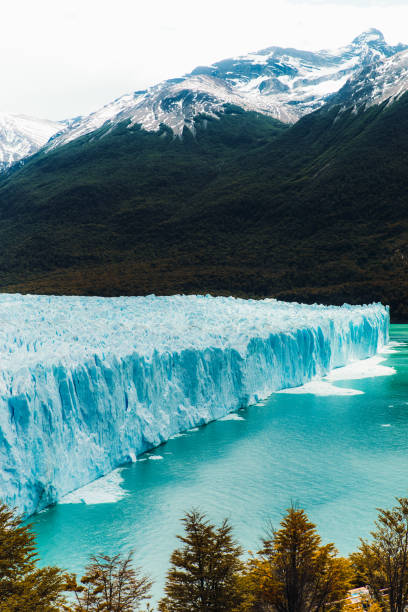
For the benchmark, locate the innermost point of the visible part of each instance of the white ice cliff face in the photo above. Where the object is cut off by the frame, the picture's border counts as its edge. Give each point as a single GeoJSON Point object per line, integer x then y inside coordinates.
{"type": "Point", "coordinates": [22, 136]}
{"type": "Point", "coordinates": [87, 384]}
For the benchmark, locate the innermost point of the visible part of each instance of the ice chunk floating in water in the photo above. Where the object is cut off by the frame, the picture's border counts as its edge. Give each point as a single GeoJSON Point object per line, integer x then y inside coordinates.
{"type": "Point", "coordinates": [321, 387]}
{"type": "Point", "coordinates": [87, 384]}
{"type": "Point", "coordinates": [365, 368]}
{"type": "Point", "coordinates": [368, 368]}
{"type": "Point", "coordinates": [233, 416]}
{"type": "Point", "coordinates": [105, 490]}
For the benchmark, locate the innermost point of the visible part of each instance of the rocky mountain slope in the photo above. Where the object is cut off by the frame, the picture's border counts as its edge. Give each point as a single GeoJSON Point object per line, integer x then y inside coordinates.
{"type": "Point", "coordinates": [385, 80]}
{"type": "Point", "coordinates": [285, 84]}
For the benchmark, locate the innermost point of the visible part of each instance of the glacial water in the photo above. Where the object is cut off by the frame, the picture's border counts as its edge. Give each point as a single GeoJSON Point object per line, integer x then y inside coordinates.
{"type": "Point", "coordinates": [337, 455]}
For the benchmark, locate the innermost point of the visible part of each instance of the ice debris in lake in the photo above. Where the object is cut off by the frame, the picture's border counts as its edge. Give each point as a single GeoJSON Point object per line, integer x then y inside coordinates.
{"type": "Point", "coordinates": [357, 370]}
{"type": "Point", "coordinates": [104, 490]}
{"type": "Point", "coordinates": [88, 384]}
{"type": "Point", "coordinates": [233, 416]}
{"type": "Point", "coordinates": [366, 368]}
{"type": "Point", "coordinates": [321, 388]}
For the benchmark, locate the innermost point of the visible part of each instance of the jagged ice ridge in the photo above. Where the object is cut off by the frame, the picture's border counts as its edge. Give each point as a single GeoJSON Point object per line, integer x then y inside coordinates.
{"type": "Point", "coordinates": [88, 383]}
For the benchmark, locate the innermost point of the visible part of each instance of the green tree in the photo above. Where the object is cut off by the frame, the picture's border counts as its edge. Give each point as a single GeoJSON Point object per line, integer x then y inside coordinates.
{"type": "Point", "coordinates": [110, 584]}
{"type": "Point", "coordinates": [204, 573]}
{"type": "Point", "coordinates": [23, 586]}
{"type": "Point", "coordinates": [294, 572]}
{"type": "Point", "coordinates": [383, 562]}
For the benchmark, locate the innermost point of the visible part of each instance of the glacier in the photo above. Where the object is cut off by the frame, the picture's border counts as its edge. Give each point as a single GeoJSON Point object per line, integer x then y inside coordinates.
{"type": "Point", "coordinates": [87, 384]}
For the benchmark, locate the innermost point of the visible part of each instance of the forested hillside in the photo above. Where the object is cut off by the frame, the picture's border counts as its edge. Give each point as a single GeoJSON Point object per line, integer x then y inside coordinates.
{"type": "Point", "coordinates": [248, 206]}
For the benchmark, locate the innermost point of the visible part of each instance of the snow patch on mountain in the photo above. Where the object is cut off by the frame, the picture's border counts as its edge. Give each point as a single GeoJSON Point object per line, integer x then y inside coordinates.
{"type": "Point", "coordinates": [386, 80]}
{"type": "Point", "coordinates": [22, 136]}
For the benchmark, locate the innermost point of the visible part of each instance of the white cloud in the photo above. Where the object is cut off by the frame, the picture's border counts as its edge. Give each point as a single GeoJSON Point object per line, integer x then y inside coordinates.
{"type": "Point", "coordinates": [61, 58]}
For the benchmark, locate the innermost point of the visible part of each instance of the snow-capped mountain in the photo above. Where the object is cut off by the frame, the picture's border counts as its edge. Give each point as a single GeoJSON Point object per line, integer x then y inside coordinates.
{"type": "Point", "coordinates": [21, 136]}
{"type": "Point", "coordinates": [282, 83]}
{"type": "Point", "coordinates": [375, 83]}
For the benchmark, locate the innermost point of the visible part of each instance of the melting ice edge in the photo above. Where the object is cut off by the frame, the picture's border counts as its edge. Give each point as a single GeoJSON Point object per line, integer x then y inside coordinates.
{"type": "Point", "coordinates": [87, 384]}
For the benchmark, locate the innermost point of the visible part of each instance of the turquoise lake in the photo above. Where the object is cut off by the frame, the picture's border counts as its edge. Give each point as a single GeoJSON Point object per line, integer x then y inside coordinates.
{"type": "Point", "coordinates": [338, 456]}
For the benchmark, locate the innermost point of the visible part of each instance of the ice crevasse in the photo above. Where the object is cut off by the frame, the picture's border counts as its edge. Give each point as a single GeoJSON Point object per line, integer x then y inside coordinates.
{"type": "Point", "coordinates": [88, 383]}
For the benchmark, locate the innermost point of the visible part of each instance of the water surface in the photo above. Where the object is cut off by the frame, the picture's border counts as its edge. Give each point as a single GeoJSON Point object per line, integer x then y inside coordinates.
{"type": "Point", "coordinates": [338, 456]}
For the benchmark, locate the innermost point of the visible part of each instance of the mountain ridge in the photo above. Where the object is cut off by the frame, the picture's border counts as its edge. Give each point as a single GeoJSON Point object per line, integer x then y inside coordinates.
{"type": "Point", "coordinates": [283, 83]}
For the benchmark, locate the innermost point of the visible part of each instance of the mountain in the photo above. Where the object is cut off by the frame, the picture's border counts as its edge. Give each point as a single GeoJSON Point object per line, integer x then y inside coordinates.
{"type": "Point", "coordinates": [281, 83]}
{"type": "Point", "coordinates": [285, 84]}
{"type": "Point", "coordinates": [382, 81]}
{"type": "Point", "coordinates": [22, 136]}
{"type": "Point", "coordinates": [242, 204]}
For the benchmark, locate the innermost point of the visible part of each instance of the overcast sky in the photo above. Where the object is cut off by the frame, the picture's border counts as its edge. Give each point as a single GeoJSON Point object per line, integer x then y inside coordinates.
{"type": "Point", "coordinates": [62, 58]}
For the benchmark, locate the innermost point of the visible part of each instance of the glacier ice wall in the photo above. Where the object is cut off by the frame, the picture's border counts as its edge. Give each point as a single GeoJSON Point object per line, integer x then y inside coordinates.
{"type": "Point", "coordinates": [87, 384]}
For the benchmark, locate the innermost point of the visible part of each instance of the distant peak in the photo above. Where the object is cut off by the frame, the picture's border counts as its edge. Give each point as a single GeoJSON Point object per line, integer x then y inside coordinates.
{"type": "Point", "coordinates": [371, 35]}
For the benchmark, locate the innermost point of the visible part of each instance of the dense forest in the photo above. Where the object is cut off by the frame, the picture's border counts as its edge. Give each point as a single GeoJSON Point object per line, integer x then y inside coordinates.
{"type": "Point", "coordinates": [246, 206]}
